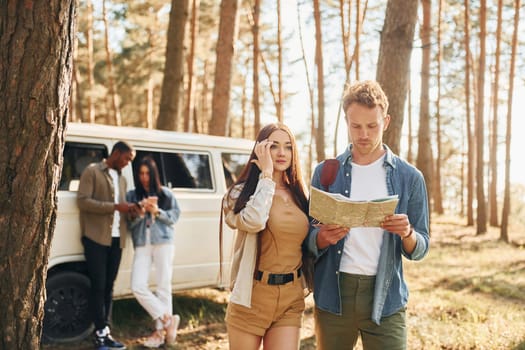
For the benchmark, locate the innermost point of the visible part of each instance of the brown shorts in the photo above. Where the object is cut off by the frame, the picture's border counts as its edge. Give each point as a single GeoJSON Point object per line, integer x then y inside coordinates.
{"type": "Point", "coordinates": [272, 306]}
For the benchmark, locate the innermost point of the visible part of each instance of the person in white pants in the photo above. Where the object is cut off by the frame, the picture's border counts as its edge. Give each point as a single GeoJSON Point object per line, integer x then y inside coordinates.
{"type": "Point", "coordinates": [152, 229]}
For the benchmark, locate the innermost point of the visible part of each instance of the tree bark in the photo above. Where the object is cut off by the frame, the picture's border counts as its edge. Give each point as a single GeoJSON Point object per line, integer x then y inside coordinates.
{"type": "Point", "coordinates": [504, 233]}
{"type": "Point", "coordinates": [437, 194]}
{"type": "Point", "coordinates": [36, 57]}
{"type": "Point", "coordinates": [470, 140]}
{"type": "Point", "coordinates": [228, 27]}
{"type": "Point", "coordinates": [90, 63]}
{"type": "Point", "coordinates": [255, 71]}
{"type": "Point", "coordinates": [319, 137]}
{"type": "Point", "coordinates": [190, 92]}
{"type": "Point", "coordinates": [393, 64]}
{"type": "Point", "coordinates": [112, 85]}
{"type": "Point", "coordinates": [169, 109]}
{"type": "Point", "coordinates": [280, 112]}
{"type": "Point", "coordinates": [493, 154]}
{"type": "Point", "coordinates": [424, 151]}
{"type": "Point", "coordinates": [481, 219]}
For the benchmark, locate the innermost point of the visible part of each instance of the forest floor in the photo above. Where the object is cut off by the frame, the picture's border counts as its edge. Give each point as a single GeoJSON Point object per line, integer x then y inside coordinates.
{"type": "Point", "coordinates": [468, 293]}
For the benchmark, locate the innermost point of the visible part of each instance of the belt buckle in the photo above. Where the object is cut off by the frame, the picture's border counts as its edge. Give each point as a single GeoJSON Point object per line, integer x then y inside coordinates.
{"type": "Point", "coordinates": [277, 279]}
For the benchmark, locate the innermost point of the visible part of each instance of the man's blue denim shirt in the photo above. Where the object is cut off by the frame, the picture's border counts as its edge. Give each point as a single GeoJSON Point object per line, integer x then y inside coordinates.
{"type": "Point", "coordinates": [391, 292]}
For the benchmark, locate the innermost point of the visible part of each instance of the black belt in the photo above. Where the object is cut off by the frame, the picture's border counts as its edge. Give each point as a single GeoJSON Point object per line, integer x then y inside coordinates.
{"type": "Point", "coordinates": [278, 278]}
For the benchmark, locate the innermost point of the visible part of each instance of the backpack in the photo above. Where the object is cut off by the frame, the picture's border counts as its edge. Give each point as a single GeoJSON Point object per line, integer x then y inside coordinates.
{"type": "Point", "coordinates": [328, 175]}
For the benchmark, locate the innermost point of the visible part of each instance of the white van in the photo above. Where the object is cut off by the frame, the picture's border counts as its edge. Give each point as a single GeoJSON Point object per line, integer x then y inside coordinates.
{"type": "Point", "coordinates": [198, 169]}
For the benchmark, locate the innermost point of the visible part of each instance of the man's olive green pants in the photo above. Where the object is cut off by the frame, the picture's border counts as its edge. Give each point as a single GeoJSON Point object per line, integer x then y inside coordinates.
{"type": "Point", "coordinates": [334, 332]}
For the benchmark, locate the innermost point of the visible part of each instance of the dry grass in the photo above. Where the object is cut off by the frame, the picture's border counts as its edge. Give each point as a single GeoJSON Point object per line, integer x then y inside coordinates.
{"type": "Point", "coordinates": [469, 293]}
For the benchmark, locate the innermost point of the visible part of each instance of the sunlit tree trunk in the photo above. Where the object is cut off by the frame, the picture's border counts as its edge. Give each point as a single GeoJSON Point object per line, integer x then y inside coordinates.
{"type": "Point", "coordinates": [410, 156]}
{"type": "Point", "coordinates": [424, 151]}
{"type": "Point", "coordinates": [357, 34]}
{"type": "Point", "coordinates": [319, 137]}
{"type": "Point", "coordinates": [223, 66]}
{"type": "Point", "coordinates": [481, 219]}
{"type": "Point", "coordinates": [437, 194]}
{"type": "Point", "coordinates": [470, 140]}
{"type": "Point", "coordinates": [170, 99]}
{"type": "Point", "coordinates": [244, 102]}
{"type": "Point", "coordinates": [493, 151]}
{"type": "Point", "coordinates": [310, 95]}
{"type": "Point", "coordinates": [190, 92]}
{"type": "Point", "coordinates": [112, 86]}
{"type": "Point", "coordinates": [280, 116]}
{"type": "Point", "coordinates": [345, 39]}
{"type": "Point", "coordinates": [203, 119]}
{"type": "Point", "coordinates": [77, 94]}
{"type": "Point", "coordinates": [255, 99]}
{"type": "Point", "coordinates": [504, 234]}
{"type": "Point", "coordinates": [90, 63]}
{"type": "Point", "coordinates": [149, 103]}
{"type": "Point", "coordinates": [36, 58]}
{"type": "Point", "coordinates": [348, 59]}
{"type": "Point", "coordinates": [393, 64]}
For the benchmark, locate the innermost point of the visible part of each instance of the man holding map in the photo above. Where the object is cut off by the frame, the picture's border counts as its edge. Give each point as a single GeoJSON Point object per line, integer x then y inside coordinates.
{"type": "Point", "coordinates": [359, 288]}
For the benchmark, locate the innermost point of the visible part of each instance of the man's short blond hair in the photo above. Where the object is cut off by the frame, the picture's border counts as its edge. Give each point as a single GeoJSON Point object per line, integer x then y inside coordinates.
{"type": "Point", "coordinates": [368, 93]}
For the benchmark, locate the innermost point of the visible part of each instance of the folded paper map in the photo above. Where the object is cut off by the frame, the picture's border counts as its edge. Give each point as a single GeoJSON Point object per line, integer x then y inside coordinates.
{"type": "Point", "coordinates": [334, 208]}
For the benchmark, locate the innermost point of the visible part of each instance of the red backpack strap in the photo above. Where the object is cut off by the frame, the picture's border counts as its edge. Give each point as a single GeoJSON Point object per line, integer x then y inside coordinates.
{"type": "Point", "coordinates": [329, 172]}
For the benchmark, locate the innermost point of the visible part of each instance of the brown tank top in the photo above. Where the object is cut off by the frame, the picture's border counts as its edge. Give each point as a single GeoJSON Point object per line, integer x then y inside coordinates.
{"type": "Point", "coordinates": [281, 241]}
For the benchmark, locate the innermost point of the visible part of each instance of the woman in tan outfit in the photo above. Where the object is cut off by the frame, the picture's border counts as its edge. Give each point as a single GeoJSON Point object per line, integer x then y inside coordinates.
{"type": "Point", "coordinates": [267, 205]}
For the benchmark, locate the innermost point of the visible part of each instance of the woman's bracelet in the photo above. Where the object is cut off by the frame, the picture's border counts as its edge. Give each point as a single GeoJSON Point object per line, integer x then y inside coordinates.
{"type": "Point", "coordinates": [409, 234]}
{"type": "Point", "coordinates": [264, 175]}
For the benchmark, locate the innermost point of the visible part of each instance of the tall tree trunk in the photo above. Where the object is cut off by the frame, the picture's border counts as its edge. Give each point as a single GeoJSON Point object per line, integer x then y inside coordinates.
{"type": "Point", "coordinates": [319, 137]}
{"type": "Point", "coordinates": [410, 155]}
{"type": "Point", "coordinates": [36, 58]}
{"type": "Point", "coordinates": [77, 94]}
{"type": "Point", "coordinates": [357, 34]}
{"type": "Point", "coordinates": [204, 108]}
{"type": "Point", "coordinates": [223, 66]}
{"type": "Point", "coordinates": [255, 99]}
{"type": "Point", "coordinates": [349, 60]}
{"type": "Point", "coordinates": [310, 95]}
{"type": "Point", "coordinates": [424, 151]}
{"type": "Point", "coordinates": [470, 139]}
{"type": "Point", "coordinates": [280, 112]}
{"type": "Point", "coordinates": [504, 233]}
{"type": "Point", "coordinates": [149, 102]}
{"type": "Point", "coordinates": [437, 194]}
{"type": "Point", "coordinates": [170, 99]}
{"type": "Point", "coordinates": [190, 92]}
{"type": "Point", "coordinates": [393, 64]}
{"type": "Point", "coordinates": [112, 86]}
{"type": "Point", "coordinates": [481, 219]}
{"type": "Point", "coordinates": [90, 63]}
{"type": "Point", "coordinates": [493, 151]}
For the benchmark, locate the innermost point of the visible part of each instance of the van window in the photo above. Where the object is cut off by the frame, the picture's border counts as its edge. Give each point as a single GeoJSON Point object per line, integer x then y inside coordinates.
{"type": "Point", "coordinates": [77, 156]}
{"type": "Point", "coordinates": [181, 169]}
{"type": "Point", "coordinates": [233, 163]}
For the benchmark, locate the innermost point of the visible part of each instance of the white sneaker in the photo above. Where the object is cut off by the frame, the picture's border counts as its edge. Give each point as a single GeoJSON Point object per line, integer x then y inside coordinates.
{"type": "Point", "coordinates": [155, 340]}
{"type": "Point", "coordinates": [171, 329]}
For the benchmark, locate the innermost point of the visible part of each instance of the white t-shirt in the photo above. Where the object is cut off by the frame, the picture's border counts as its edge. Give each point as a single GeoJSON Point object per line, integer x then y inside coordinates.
{"type": "Point", "coordinates": [115, 231]}
{"type": "Point", "coordinates": [363, 244]}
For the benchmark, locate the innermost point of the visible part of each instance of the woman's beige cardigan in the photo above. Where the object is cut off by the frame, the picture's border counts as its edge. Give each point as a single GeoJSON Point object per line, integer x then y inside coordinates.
{"type": "Point", "coordinates": [249, 222]}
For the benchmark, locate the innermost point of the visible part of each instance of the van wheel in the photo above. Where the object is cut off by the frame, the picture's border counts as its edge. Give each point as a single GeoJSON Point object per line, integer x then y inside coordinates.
{"type": "Point", "coordinates": [66, 312]}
